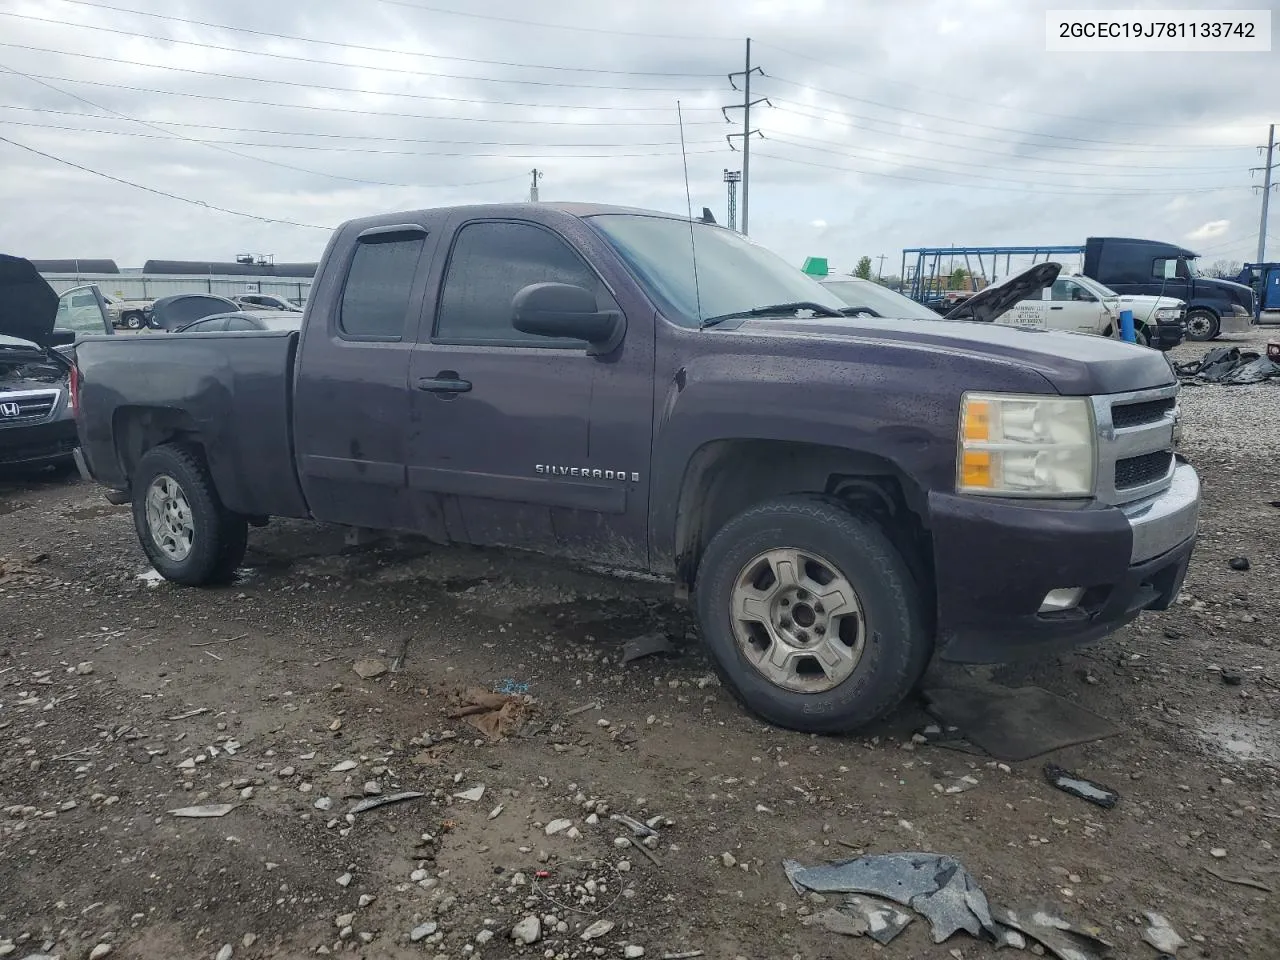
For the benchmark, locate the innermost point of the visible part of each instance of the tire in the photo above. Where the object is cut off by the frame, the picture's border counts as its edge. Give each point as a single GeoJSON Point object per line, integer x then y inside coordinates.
{"type": "Point", "coordinates": [891, 631]}
{"type": "Point", "coordinates": [134, 321]}
{"type": "Point", "coordinates": [154, 324]}
{"type": "Point", "coordinates": [1202, 325]}
{"type": "Point", "coordinates": [214, 537]}
{"type": "Point", "coordinates": [1142, 335]}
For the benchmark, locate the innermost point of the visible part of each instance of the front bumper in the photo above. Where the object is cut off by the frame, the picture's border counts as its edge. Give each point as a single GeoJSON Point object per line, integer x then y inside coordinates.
{"type": "Point", "coordinates": [1167, 334]}
{"type": "Point", "coordinates": [995, 560]}
{"type": "Point", "coordinates": [37, 444]}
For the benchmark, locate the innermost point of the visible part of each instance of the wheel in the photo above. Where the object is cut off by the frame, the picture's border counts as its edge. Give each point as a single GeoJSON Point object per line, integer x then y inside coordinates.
{"type": "Point", "coordinates": [1142, 335]}
{"type": "Point", "coordinates": [185, 531]}
{"type": "Point", "coordinates": [1202, 325]}
{"type": "Point", "coordinates": [811, 615]}
{"type": "Point", "coordinates": [154, 323]}
{"type": "Point", "coordinates": [134, 321]}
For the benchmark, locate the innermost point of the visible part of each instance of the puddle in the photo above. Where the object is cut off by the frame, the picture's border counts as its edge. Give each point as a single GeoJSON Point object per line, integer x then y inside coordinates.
{"type": "Point", "coordinates": [1238, 740]}
{"type": "Point", "coordinates": [151, 577]}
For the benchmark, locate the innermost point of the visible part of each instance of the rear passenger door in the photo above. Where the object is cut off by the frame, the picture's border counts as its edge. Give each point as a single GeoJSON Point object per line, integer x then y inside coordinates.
{"type": "Point", "coordinates": [351, 397]}
{"type": "Point", "coordinates": [527, 441]}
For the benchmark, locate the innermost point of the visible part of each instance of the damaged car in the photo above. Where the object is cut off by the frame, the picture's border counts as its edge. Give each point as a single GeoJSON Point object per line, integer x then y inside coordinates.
{"type": "Point", "coordinates": [38, 332]}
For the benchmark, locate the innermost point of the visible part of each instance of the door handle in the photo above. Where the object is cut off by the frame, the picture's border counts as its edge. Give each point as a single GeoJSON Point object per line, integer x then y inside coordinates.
{"type": "Point", "coordinates": [446, 381]}
{"type": "Point", "coordinates": [1055, 308]}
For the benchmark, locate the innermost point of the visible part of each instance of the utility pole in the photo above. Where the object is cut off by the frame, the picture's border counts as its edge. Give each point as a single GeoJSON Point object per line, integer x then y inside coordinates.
{"type": "Point", "coordinates": [747, 131]}
{"type": "Point", "coordinates": [1266, 191]}
{"type": "Point", "coordinates": [880, 269]}
{"type": "Point", "coordinates": [732, 178]}
{"type": "Point", "coordinates": [533, 186]}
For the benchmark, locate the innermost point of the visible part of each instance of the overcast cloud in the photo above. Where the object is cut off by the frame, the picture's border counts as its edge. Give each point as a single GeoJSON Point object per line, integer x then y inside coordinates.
{"type": "Point", "coordinates": [904, 124]}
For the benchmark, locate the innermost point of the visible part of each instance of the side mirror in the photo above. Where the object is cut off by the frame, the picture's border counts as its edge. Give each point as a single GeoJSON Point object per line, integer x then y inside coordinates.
{"type": "Point", "coordinates": [566, 311]}
{"type": "Point", "coordinates": [60, 338]}
{"type": "Point", "coordinates": [1171, 269]}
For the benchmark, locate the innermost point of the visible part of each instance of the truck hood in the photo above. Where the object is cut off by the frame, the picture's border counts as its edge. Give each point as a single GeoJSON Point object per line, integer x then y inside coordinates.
{"type": "Point", "coordinates": [1074, 364]}
{"type": "Point", "coordinates": [28, 305]}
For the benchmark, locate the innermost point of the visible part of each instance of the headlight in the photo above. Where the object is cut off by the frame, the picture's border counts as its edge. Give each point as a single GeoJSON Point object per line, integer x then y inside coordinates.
{"type": "Point", "coordinates": [1025, 446]}
{"type": "Point", "coordinates": [1168, 313]}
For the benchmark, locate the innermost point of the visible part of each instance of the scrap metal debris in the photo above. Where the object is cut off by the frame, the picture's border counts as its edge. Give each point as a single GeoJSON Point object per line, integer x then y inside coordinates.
{"type": "Point", "coordinates": [1077, 786]}
{"type": "Point", "coordinates": [496, 715]}
{"type": "Point", "coordinates": [369, 803]}
{"type": "Point", "coordinates": [1055, 933]}
{"type": "Point", "coordinates": [1161, 934]}
{"type": "Point", "coordinates": [1229, 366]}
{"type": "Point", "coordinates": [934, 885]}
{"type": "Point", "coordinates": [199, 711]}
{"type": "Point", "coordinates": [205, 810]}
{"type": "Point", "coordinates": [651, 644]}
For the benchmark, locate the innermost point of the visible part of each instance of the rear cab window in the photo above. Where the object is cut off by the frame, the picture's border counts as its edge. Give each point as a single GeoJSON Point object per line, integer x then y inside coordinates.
{"type": "Point", "coordinates": [376, 295]}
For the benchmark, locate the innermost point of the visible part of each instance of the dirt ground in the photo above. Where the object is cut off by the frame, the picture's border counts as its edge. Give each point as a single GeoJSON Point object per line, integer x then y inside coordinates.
{"type": "Point", "coordinates": [122, 699]}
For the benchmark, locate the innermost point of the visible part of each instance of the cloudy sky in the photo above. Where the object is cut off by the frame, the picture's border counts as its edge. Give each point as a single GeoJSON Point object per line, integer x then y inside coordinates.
{"type": "Point", "coordinates": [891, 125]}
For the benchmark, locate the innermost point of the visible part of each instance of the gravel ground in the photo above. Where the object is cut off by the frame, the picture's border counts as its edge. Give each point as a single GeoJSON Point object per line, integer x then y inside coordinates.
{"type": "Point", "coordinates": [122, 699]}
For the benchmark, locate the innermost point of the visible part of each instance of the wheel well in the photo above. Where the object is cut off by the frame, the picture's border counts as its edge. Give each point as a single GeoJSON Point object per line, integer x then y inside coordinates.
{"type": "Point", "coordinates": [726, 477]}
{"type": "Point", "coordinates": [138, 429]}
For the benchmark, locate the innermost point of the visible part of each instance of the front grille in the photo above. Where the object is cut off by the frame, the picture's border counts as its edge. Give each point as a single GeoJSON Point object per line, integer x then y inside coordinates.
{"type": "Point", "coordinates": [20, 408]}
{"type": "Point", "coordinates": [38, 451]}
{"type": "Point", "coordinates": [1136, 414]}
{"type": "Point", "coordinates": [1139, 471]}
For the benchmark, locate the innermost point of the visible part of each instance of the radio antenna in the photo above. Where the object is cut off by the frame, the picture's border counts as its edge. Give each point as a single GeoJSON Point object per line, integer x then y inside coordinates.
{"type": "Point", "coordinates": [688, 204]}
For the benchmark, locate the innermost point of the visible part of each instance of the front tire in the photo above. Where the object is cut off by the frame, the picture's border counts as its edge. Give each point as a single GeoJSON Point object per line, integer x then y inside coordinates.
{"type": "Point", "coordinates": [134, 321]}
{"type": "Point", "coordinates": [185, 531]}
{"type": "Point", "coordinates": [1202, 325]}
{"type": "Point", "coordinates": [811, 615]}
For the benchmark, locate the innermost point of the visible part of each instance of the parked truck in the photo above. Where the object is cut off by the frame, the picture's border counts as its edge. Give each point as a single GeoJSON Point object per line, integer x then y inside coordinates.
{"type": "Point", "coordinates": [842, 497]}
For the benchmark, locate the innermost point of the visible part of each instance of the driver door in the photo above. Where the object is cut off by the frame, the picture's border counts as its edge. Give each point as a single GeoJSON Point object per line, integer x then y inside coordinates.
{"type": "Point", "coordinates": [1074, 308]}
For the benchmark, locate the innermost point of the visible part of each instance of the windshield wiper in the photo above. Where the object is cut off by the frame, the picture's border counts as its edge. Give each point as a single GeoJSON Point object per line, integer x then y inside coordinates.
{"type": "Point", "coordinates": [773, 309]}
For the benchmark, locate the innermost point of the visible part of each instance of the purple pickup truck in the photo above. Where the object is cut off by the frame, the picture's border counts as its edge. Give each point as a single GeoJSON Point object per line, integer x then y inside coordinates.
{"type": "Point", "coordinates": [843, 495]}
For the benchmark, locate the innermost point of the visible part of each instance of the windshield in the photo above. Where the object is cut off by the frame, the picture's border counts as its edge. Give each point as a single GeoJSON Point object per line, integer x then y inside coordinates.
{"type": "Point", "coordinates": [885, 302]}
{"type": "Point", "coordinates": [1103, 293]}
{"type": "Point", "coordinates": [734, 274]}
{"type": "Point", "coordinates": [1192, 269]}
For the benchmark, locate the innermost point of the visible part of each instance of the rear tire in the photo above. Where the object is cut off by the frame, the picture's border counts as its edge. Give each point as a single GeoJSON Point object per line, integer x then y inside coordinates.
{"type": "Point", "coordinates": [779, 571]}
{"type": "Point", "coordinates": [134, 321]}
{"type": "Point", "coordinates": [185, 531]}
{"type": "Point", "coordinates": [1202, 325]}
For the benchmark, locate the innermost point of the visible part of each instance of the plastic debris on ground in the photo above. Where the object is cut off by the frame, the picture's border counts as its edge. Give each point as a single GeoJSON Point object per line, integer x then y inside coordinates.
{"type": "Point", "coordinates": [940, 889]}
{"type": "Point", "coordinates": [1055, 933]}
{"type": "Point", "coordinates": [934, 885]}
{"type": "Point", "coordinates": [1081, 787]}
{"type": "Point", "coordinates": [1229, 366]}
{"type": "Point", "coordinates": [206, 810]}
{"type": "Point", "coordinates": [371, 803]}
{"type": "Point", "coordinates": [1161, 935]}
{"type": "Point", "coordinates": [496, 715]}
{"type": "Point", "coordinates": [649, 645]}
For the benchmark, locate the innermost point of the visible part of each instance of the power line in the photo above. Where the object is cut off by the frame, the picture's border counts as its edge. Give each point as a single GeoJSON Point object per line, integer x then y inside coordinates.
{"type": "Point", "coordinates": [827, 114]}
{"type": "Point", "coordinates": [967, 123]}
{"type": "Point", "coordinates": [847, 151]}
{"type": "Point", "coordinates": [1008, 156]}
{"type": "Point", "coordinates": [395, 114]}
{"type": "Point", "coordinates": [558, 26]}
{"type": "Point", "coordinates": [809, 59]}
{"type": "Point", "coordinates": [979, 186]}
{"type": "Point", "coordinates": [181, 136]}
{"type": "Point", "coordinates": [164, 135]}
{"type": "Point", "coordinates": [347, 136]}
{"type": "Point", "coordinates": [354, 66]}
{"type": "Point", "coordinates": [160, 193]}
{"type": "Point", "coordinates": [369, 49]}
{"type": "Point", "coordinates": [315, 86]}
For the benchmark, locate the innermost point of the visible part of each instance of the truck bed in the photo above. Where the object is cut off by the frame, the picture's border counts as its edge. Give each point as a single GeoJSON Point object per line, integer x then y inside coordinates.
{"type": "Point", "coordinates": [233, 390]}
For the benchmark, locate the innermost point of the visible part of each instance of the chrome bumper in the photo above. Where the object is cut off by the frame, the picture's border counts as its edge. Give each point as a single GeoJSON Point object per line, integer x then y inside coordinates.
{"type": "Point", "coordinates": [1166, 520]}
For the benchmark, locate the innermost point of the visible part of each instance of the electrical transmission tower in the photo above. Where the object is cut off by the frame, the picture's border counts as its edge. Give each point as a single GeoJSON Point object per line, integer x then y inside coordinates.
{"type": "Point", "coordinates": [732, 178]}
{"type": "Point", "coordinates": [747, 131]}
{"type": "Point", "coordinates": [1265, 169]}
